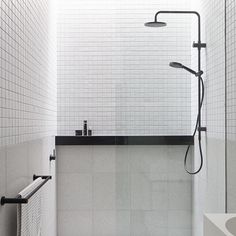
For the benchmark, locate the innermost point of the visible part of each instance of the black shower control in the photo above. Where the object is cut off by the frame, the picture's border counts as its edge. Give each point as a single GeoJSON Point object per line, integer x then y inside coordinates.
{"type": "Point", "coordinates": [202, 129]}
{"type": "Point", "coordinates": [199, 45]}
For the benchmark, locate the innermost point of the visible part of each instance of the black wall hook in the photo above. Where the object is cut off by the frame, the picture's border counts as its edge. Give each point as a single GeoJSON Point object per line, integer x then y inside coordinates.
{"type": "Point", "coordinates": [53, 156]}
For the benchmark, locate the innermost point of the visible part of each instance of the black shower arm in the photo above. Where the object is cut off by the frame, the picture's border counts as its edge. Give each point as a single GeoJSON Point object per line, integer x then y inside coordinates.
{"type": "Point", "coordinates": [184, 12]}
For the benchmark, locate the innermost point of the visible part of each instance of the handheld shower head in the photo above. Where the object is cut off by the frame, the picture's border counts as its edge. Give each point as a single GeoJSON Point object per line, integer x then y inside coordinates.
{"type": "Point", "coordinates": [176, 65]}
{"type": "Point", "coordinates": [179, 65]}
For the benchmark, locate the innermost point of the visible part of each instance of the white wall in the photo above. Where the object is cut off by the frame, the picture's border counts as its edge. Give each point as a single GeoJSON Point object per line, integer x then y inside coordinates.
{"type": "Point", "coordinates": [18, 164]}
{"type": "Point", "coordinates": [123, 190]}
{"type": "Point", "coordinates": [114, 72]}
{"type": "Point", "coordinates": [28, 71]}
{"type": "Point", "coordinates": [231, 112]}
{"type": "Point", "coordinates": [209, 185]}
{"type": "Point", "coordinates": [27, 105]}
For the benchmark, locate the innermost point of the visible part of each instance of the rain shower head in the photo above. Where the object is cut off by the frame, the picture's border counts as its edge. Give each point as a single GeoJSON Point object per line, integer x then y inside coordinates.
{"type": "Point", "coordinates": [155, 24]}
{"type": "Point", "coordinates": [181, 66]}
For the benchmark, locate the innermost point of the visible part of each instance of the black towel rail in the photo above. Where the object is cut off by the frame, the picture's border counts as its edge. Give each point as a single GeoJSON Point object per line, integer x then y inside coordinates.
{"type": "Point", "coordinates": [18, 199]}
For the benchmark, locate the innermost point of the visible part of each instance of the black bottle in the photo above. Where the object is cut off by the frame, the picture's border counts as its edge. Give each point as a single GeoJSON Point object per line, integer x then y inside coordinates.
{"type": "Point", "coordinates": [85, 131]}
{"type": "Point", "coordinates": [89, 132]}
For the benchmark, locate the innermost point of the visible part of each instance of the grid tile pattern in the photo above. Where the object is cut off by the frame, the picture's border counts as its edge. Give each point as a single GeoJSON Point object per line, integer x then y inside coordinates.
{"type": "Point", "coordinates": [215, 68]}
{"type": "Point", "coordinates": [209, 184]}
{"type": "Point", "coordinates": [213, 65]}
{"type": "Point", "coordinates": [231, 103]}
{"type": "Point", "coordinates": [113, 72]}
{"type": "Point", "coordinates": [231, 71]}
{"type": "Point", "coordinates": [28, 71]}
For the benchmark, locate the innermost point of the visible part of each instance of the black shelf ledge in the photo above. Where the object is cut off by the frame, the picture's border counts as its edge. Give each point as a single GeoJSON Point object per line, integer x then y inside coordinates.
{"type": "Point", "coordinates": [124, 140]}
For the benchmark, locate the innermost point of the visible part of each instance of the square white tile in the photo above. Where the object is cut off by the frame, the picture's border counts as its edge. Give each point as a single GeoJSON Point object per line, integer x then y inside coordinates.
{"type": "Point", "coordinates": [74, 159]}
{"type": "Point", "coordinates": [75, 223]}
{"type": "Point", "coordinates": [74, 191]}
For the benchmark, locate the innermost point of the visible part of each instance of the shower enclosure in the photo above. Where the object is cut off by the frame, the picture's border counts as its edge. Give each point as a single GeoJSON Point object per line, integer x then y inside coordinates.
{"type": "Point", "coordinates": [89, 101]}
{"type": "Point", "coordinates": [129, 177]}
{"type": "Point", "coordinates": [115, 73]}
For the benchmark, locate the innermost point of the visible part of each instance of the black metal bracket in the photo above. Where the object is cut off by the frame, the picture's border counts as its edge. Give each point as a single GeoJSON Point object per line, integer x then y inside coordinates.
{"type": "Point", "coordinates": [199, 45]}
{"type": "Point", "coordinates": [42, 176]}
{"type": "Point", "coordinates": [200, 73]}
{"type": "Point", "coordinates": [18, 199]}
{"type": "Point", "coordinates": [202, 129]}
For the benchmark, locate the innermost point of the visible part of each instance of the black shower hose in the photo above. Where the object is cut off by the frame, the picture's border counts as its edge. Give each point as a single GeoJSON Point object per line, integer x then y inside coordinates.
{"type": "Point", "coordinates": [199, 141]}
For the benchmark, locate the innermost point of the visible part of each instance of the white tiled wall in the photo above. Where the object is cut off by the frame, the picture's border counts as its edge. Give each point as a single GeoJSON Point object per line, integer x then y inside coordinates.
{"type": "Point", "coordinates": [214, 25]}
{"type": "Point", "coordinates": [28, 71]}
{"type": "Point", "coordinates": [114, 72]}
{"type": "Point", "coordinates": [231, 111]}
{"type": "Point", "coordinates": [27, 105]}
{"type": "Point", "coordinates": [123, 190]}
{"type": "Point", "coordinates": [209, 185]}
{"type": "Point", "coordinates": [213, 58]}
{"type": "Point", "coordinates": [231, 88]}
{"type": "Point", "coordinates": [18, 164]}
